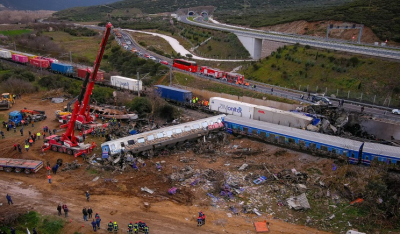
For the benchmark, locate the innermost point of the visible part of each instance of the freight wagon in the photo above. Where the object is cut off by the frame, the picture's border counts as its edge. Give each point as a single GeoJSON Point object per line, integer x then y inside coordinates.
{"type": "Point", "coordinates": [51, 60]}
{"type": "Point", "coordinates": [5, 54]}
{"type": "Point", "coordinates": [19, 165]}
{"type": "Point", "coordinates": [262, 113]}
{"type": "Point", "coordinates": [64, 69]}
{"type": "Point", "coordinates": [81, 73]}
{"type": "Point", "coordinates": [173, 94]}
{"type": "Point", "coordinates": [126, 83]}
{"type": "Point", "coordinates": [40, 63]}
{"type": "Point", "coordinates": [280, 117]}
{"type": "Point", "coordinates": [231, 107]}
{"type": "Point", "coordinates": [20, 58]}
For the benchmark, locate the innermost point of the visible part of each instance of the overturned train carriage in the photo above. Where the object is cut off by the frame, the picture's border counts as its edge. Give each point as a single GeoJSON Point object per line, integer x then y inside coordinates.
{"type": "Point", "coordinates": [321, 144]}
{"type": "Point", "coordinates": [163, 137]}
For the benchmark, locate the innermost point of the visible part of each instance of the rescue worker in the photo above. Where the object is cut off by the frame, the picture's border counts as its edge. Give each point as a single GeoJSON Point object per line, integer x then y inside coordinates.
{"type": "Point", "coordinates": [115, 227]}
{"type": "Point", "coordinates": [199, 221]}
{"type": "Point", "coordinates": [136, 227]}
{"type": "Point", "coordinates": [38, 135]}
{"type": "Point", "coordinates": [27, 147]}
{"type": "Point", "coordinates": [110, 226]}
{"type": "Point", "coordinates": [203, 219]}
{"type": "Point", "coordinates": [146, 230]}
{"type": "Point", "coordinates": [98, 220]}
{"type": "Point", "coordinates": [130, 227]}
{"type": "Point", "coordinates": [94, 225]}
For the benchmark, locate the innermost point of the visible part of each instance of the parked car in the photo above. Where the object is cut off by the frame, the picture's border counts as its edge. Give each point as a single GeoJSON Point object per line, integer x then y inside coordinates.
{"type": "Point", "coordinates": [164, 62]}
{"type": "Point", "coordinates": [396, 111]}
{"type": "Point", "coordinates": [325, 100]}
{"type": "Point", "coordinates": [146, 55]}
{"type": "Point", "coordinates": [152, 58]}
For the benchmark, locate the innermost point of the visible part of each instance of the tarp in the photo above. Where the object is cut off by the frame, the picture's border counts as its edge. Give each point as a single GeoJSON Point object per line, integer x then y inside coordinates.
{"type": "Point", "coordinates": [261, 227]}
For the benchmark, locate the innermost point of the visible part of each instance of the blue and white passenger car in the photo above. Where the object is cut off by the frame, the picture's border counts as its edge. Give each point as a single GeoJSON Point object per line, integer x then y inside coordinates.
{"type": "Point", "coordinates": [382, 153]}
{"type": "Point", "coordinates": [322, 144]}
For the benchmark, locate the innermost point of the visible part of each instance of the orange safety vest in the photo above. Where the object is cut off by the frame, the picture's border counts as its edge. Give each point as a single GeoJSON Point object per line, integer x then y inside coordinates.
{"type": "Point", "coordinates": [49, 177]}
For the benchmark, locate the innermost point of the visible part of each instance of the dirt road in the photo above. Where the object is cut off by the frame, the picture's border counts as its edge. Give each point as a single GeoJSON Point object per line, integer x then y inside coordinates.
{"type": "Point", "coordinates": [121, 200]}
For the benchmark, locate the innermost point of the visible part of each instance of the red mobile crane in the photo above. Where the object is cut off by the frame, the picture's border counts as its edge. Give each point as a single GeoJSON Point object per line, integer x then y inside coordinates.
{"type": "Point", "coordinates": [68, 142]}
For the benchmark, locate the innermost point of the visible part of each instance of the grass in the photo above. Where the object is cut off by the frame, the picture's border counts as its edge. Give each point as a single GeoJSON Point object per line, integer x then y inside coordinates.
{"type": "Point", "coordinates": [154, 41]}
{"type": "Point", "coordinates": [43, 224]}
{"type": "Point", "coordinates": [79, 46]}
{"type": "Point", "coordinates": [191, 81]}
{"type": "Point", "coordinates": [125, 12]}
{"type": "Point", "coordinates": [15, 32]}
{"type": "Point", "coordinates": [336, 73]}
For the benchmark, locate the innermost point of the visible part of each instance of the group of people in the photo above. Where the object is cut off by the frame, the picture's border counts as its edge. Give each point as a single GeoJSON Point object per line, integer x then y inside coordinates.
{"type": "Point", "coordinates": [201, 220]}
{"type": "Point", "coordinates": [64, 208]}
{"type": "Point", "coordinates": [132, 228]}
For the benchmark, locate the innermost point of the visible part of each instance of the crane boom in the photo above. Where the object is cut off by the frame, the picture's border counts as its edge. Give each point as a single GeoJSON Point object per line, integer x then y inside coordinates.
{"type": "Point", "coordinates": [87, 88]}
{"type": "Point", "coordinates": [94, 74]}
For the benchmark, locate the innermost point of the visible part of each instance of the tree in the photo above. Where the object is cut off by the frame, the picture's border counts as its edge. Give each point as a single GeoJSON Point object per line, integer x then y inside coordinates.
{"type": "Point", "coordinates": [141, 105]}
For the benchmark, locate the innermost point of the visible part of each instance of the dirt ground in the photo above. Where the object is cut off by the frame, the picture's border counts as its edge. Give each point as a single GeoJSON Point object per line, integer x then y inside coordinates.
{"type": "Point", "coordinates": [318, 29]}
{"type": "Point", "coordinates": [121, 199]}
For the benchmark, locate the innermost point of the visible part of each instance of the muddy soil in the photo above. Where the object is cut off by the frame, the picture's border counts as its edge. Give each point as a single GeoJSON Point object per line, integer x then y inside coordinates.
{"type": "Point", "coordinates": [118, 196]}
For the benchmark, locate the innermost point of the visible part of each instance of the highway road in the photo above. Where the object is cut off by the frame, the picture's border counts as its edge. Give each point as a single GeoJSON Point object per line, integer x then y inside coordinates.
{"type": "Point", "coordinates": [293, 39]}
{"type": "Point", "coordinates": [374, 111]}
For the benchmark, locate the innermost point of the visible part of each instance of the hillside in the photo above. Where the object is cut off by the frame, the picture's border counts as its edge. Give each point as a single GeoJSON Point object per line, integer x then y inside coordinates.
{"type": "Point", "coordinates": [54, 5]}
{"type": "Point", "coordinates": [381, 16]}
{"type": "Point", "coordinates": [152, 7]}
{"type": "Point", "coordinates": [336, 73]}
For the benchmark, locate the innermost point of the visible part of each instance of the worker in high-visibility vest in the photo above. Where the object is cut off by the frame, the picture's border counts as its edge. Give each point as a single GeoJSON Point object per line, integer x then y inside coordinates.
{"type": "Point", "coordinates": [38, 135]}
{"type": "Point", "coordinates": [27, 147]}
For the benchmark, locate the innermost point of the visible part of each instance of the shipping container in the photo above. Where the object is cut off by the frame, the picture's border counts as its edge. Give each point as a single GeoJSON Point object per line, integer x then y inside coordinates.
{"type": "Point", "coordinates": [62, 68]}
{"type": "Point", "coordinates": [20, 58]}
{"type": "Point", "coordinates": [126, 83]}
{"type": "Point", "coordinates": [40, 63]}
{"type": "Point", "coordinates": [173, 94]}
{"type": "Point", "coordinates": [232, 107]}
{"type": "Point", "coordinates": [51, 60]}
{"type": "Point", "coordinates": [82, 74]}
{"type": "Point", "coordinates": [209, 71]}
{"type": "Point", "coordinates": [5, 54]}
{"type": "Point", "coordinates": [30, 56]}
{"type": "Point", "coordinates": [276, 116]}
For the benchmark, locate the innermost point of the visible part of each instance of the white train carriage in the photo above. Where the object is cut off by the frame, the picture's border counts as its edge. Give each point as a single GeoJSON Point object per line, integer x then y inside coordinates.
{"type": "Point", "coordinates": [163, 137]}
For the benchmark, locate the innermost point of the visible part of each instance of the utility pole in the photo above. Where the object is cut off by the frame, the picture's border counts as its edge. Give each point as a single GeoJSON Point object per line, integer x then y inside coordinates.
{"type": "Point", "coordinates": [138, 77]}
{"type": "Point", "coordinates": [70, 57]}
{"type": "Point", "coordinates": [170, 77]}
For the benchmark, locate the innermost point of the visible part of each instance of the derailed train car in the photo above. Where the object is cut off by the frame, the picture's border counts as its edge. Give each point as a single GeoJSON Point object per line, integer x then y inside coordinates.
{"type": "Point", "coordinates": [355, 152]}
{"type": "Point", "coordinates": [294, 138]}
{"type": "Point", "coordinates": [163, 137]}
{"type": "Point", "coordinates": [262, 113]}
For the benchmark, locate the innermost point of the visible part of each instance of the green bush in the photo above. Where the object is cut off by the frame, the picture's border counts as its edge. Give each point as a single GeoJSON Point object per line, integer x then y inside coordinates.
{"type": "Point", "coordinates": [141, 105]}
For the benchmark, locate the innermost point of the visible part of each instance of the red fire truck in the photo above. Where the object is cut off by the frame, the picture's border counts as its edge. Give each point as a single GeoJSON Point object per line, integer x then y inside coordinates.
{"type": "Point", "coordinates": [212, 72]}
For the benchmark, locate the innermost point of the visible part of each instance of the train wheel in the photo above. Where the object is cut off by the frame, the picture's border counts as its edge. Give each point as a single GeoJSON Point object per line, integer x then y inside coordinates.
{"type": "Point", "coordinates": [8, 169]}
{"type": "Point", "coordinates": [54, 148]}
{"type": "Point", "coordinates": [27, 171]}
{"type": "Point", "coordinates": [18, 170]}
{"type": "Point", "coordinates": [69, 151]}
{"type": "Point", "coordinates": [60, 149]}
